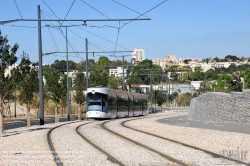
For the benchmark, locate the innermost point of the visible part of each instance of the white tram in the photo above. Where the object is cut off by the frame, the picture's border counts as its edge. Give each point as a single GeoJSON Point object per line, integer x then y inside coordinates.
{"type": "Point", "coordinates": [111, 103]}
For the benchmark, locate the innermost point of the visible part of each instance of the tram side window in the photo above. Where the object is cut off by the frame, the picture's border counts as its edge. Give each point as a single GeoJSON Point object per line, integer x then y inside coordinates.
{"type": "Point", "coordinates": [122, 103]}
{"type": "Point", "coordinates": [130, 104]}
{"type": "Point", "coordinates": [111, 103]}
{"type": "Point", "coordinates": [104, 103]}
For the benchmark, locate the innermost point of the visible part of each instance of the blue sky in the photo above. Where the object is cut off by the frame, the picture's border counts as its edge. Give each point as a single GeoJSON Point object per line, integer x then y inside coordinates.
{"type": "Point", "coordinates": [185, 28]}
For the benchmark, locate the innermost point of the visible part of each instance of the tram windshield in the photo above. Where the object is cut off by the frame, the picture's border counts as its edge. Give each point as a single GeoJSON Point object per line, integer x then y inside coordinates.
{"type": "Point", "coordinates": [94, 99]}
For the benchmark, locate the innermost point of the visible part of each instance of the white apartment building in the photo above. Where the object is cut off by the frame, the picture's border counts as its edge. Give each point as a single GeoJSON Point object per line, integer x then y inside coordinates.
{"type": "Point", "coordinates": [169, 58]}
{"type": "Point", "coordinates": [74, 73]}
{"type": "Point", "coordinates": [138, 55]}
{"type": "Point", "coordinates": [118, 72]}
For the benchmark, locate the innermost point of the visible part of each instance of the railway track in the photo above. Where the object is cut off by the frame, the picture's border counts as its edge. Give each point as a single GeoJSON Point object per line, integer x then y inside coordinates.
{"type": "Point", "coordinates": [144, 146]}
{"type": "Point", "coordinates": [57, 158]}
{"type": "Point", "coordinates": [110, 157]}
{"type": "Point", "coordinates": [215, 155]}
{"type": "Point", "coordinates": [51, 146]}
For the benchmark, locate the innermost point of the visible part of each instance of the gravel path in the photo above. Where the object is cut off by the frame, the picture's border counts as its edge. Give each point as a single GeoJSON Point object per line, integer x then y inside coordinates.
{"type": "Point", "coordinates": [26, 146]}
{"type": "Point", "coordinates": [73, 150]}
{"type": "Point", "coordinates": [232, 144]}
{"type": "Point", "coordinates": [125, 151]}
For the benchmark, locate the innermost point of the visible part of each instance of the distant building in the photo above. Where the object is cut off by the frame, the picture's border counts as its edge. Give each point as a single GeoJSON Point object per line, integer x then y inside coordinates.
{"type": "Point", "coordinates": [74, 73]}
{"type": "Point", "coordinates": [138, 55]}
{"type": "Point", "coordinates": [117, 72]}
{"type": "Point", "coordinates": [196, 84]}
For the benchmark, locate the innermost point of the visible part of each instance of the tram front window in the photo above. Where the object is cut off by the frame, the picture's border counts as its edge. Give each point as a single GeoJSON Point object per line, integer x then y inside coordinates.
{"type": "Point", "coordinates": [94, 99]}
{"type": "Point", "coordinates": [95, 103]}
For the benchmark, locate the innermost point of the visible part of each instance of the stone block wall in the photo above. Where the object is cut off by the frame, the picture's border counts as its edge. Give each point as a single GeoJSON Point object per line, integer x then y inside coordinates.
{"type": "Point", "coordinates": [221, 107]}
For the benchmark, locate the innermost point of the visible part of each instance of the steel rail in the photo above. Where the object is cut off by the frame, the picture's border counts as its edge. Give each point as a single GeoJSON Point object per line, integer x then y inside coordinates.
{"type": "Point", "coordinates": [215, 155]}
{"type": "Point", "coordinates": [144, 146]}
{"type": "Point", "coordinates": [110, 157]}
{"type": "Point", "coordinates": [52, 148]}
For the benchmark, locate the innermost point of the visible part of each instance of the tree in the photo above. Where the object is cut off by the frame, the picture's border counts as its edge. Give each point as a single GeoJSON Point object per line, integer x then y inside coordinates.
{"type": "Point", "coordinates": [61, 66]}
{"type": "Point", "coordinates": [159, 97]}
{"type": "Point", "coordinates": [224, 83]}
{"type": "Point", "coordinates": [56, 88]}
{"type": "Point", "coordinates": [103, 64]}
{"type": "Point", "coordinates": [79, 87]}
{"type": "Point", "coordinates": [141, 73]}
{"type": "Point", "coordinates": [28, 82]}
{"type": "Point", "coordinates": [216, 59]}
{"type": "Point", "coordinates": [186, 61]}
{"type": "Point", "coordinates": [113, 82]}
{"type": "Point", "coordinates": [197, 75]}
{"type": "Point", "coordinates": [247, 78]}
{"type": "Point", "coordinates": [211, 74]}
{"type": "Point", "coordinates": [231, 58]}
{"type": "Point", "coordinates": [7, 58]}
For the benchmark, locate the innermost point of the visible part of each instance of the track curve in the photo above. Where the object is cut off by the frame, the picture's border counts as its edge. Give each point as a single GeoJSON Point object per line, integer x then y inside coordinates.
{"type": "Point", "coordinates": [144, 146]}
{"type": "Point", "coordinates": [111, 158]}
{"type": "Point", "coordinates": [215, 155]}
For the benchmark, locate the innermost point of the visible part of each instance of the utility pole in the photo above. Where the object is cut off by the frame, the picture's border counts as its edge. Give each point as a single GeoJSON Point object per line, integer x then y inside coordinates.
{"type": "Point", "coordinates": [67, 60]}
{"type": "Point", "coordinates": [155, 99]}
{"type": "Point", "coordinates": [151, 88]}
{"type": "Point", "coordinates": [167, 93]}
{"type": "Point", "coordinates": [87, 66]}
{"type": "Point", "coordinates": [40, 66]}
{"type": "Point", "coordinates": [172, 92]}
{"type": "Point", "coordinates": [15, 95]}
{"type": "Point", "coordinates": [123, 86]}
{"type": "Point", "coordinates": [205, 82]}
{"type": "Point", "coordinates": [15, 102]}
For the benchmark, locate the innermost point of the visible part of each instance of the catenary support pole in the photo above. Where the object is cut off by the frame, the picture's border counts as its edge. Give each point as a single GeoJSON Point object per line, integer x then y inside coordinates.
{"type": "Point", "coordinates": [67, 61]}
{"type": "Point", "coordinates": [123, 86]}
{"type": "Point", "coordinates": [40, 67]}
{"type": "Point", "coordinates": [1, 120]}
{"type": "Point", "coordinates": [151, 90]}
{"type": "Point", "coordinates": [87, 65]}
{"type": "Point", "coordinates": [15, 102]}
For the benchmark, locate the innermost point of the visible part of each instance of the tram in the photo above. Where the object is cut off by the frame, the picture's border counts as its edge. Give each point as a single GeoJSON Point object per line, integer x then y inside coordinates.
{"type": "Point", "coordinates": [105, 103]}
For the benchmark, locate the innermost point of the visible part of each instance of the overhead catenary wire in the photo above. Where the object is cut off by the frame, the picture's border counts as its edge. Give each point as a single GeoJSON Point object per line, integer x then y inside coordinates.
{"type": "Point", "coordinates": [68, 12]}
{"type": "Point", "coordinates": [61, 33]}
{"type": "Point", "coordinates": [129, 8]}
{"type": "Point", "coordinates": [89, 42]}
{"type": "Point", "coordinates": [19, 26]}
{"type": "Point", "coordinates": [50, 9]}
{"type": "Point", "coordinates": [117, 38]}
{"type": "Point", "coordinates": [92, 34]}
{"type": "Point", "coordinates": [18, 9]}
{"type": "Point", "coordinates": [95, 9]}
{"type": "Point", "coordinates": [144, 13]}
{"type": "Point", "coordinates": [102, 37]}
{"type": "Point", "coordinates": [53, 39]}
{"type": "Point", "coordinates": [99, 46]}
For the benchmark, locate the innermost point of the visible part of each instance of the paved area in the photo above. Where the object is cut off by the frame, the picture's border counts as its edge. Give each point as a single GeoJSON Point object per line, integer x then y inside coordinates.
{"type": "Point", "coordinates": [24, 124]}
{"type": "Point", "coordinates": [184, 121]}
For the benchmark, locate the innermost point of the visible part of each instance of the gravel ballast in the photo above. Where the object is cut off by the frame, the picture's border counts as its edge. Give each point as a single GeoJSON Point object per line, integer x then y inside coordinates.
{"type": "Point", "coordinates": [73, 150]}
{"type": "Point", "coordinates": [125, 151]}
{"type": "Point", "coordinates": [29, 146]}
{"type": "Point", "coordinates": [230, 144]}
{"type": "Point", "coordinates": [182, 153]}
